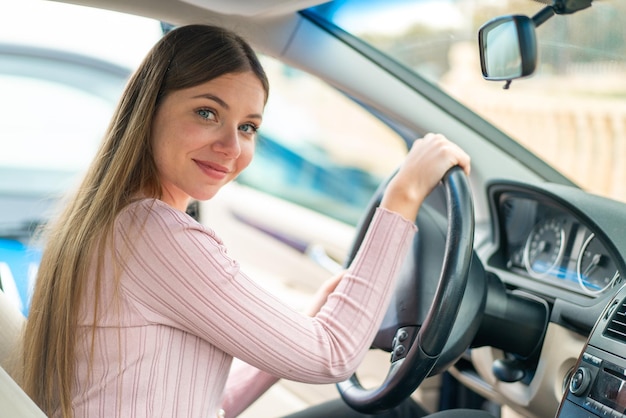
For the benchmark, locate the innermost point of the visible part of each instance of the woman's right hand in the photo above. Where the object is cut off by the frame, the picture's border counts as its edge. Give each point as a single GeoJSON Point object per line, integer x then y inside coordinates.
{"type": "Point", "coordinates": [425, 165]}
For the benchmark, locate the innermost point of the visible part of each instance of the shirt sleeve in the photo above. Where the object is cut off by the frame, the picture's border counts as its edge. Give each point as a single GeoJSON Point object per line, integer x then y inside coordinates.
{"type": "Point", "coordinates": [178, 273]}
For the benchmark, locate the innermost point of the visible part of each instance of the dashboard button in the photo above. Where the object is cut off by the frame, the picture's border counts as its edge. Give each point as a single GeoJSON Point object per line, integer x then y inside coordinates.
{"type": "Point", "coordinates": [580, 381]}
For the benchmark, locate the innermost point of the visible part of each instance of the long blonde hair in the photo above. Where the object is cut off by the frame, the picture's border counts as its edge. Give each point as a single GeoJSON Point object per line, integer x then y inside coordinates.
{"type": "Point", "coordinates": [122, 169]}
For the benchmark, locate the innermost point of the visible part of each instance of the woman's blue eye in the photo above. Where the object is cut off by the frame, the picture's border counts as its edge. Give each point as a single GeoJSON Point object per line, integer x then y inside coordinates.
{"type": "Point", "coordinates": [249, 128]}
{"type": "Point", "coordinates": [206, 114]}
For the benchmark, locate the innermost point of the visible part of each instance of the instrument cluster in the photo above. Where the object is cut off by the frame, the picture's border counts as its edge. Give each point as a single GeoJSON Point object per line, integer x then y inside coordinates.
{"type": "Point", "coordinates": [546, 242]}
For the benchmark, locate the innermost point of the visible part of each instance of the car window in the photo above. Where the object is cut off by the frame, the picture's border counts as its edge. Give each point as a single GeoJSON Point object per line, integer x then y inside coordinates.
{"type": "Point", "coordinates": [58, 93]}
{"type": "Point", "coordinates": [118, 38]}
{"type": "Point", "coordinates": [325, 152]}
{"type": "Point", "coordinates": [571, 112]}
{"type": "Point", "coordinates": [58, 89]}
{"type": "Point", "coordinates": [49, 134]}
{"type": "Point", "coordinates": [49, 125]}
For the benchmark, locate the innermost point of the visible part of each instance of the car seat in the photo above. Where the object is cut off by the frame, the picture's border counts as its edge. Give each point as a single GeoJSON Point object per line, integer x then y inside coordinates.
{"type": "Point", "coordinates": [13, 400]}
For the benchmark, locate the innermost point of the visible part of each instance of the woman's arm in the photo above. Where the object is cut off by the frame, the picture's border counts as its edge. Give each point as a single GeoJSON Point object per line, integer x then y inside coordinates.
{"type": "Point", "coordinates": [179, 274]}
{"type": "Point", "coordinates": [247, 383]}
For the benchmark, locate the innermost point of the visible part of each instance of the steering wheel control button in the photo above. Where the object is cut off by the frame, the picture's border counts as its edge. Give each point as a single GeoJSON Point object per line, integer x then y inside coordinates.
{"type": "Point", "coordinates": [400, 344]}
{"type": "Point", "coordinates": [399, 351]}
{"type": "Point", "coordinates": [580, 381]}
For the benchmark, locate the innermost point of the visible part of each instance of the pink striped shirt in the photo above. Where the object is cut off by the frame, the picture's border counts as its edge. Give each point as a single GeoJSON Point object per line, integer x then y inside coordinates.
{"type": "Point", "coordinates": [166, 337]}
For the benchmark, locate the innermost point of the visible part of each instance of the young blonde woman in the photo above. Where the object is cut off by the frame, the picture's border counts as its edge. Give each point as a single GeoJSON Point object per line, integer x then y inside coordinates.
{"type": "Point", "coordinates": [138, 310]}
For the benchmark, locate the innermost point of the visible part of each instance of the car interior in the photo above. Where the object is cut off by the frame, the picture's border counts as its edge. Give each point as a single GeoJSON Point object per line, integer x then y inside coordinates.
{"type": "Point", "coordinates": [512, 299]}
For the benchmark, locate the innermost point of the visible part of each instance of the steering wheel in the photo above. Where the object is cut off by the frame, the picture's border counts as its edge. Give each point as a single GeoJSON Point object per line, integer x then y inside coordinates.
{"type": "Point", "coordinates": [415, 348]}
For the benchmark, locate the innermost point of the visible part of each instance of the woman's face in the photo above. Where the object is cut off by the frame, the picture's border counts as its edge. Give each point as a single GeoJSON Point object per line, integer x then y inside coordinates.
{"type": "Point", "coordinates": [204, 136]}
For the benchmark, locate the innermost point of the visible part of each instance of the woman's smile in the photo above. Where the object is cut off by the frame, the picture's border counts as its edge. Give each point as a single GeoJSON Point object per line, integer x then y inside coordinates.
{"type": "Point", "coordinates": [212, 170]}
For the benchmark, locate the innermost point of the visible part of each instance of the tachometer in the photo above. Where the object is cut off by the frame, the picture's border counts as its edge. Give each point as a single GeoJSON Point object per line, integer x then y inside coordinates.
{"type": "Point", "coordinates": [596, 269]}
{"type": "Point", "coordinates": [544, 247]}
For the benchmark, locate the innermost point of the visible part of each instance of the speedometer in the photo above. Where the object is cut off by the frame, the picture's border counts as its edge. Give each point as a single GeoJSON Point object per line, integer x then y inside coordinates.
{"type": "Point", "coordinates": [544, 247]}
{"type": "Point", "coordinates": [596, 269]}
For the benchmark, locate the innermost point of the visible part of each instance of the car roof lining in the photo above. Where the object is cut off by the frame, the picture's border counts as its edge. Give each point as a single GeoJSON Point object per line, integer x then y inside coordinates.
{"type": "Point", "coordinates": [269, 32]}
{"type": "Point", "coordinates": [254, 7]}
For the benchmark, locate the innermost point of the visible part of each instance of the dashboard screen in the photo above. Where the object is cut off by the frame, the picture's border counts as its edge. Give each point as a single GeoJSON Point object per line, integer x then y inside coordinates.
{"type": "Point", "coordinates": [610, 390]}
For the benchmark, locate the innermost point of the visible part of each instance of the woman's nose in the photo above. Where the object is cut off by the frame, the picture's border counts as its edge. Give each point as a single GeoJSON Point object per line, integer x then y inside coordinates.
{"type": "Point", "coordinates": [228, 142]}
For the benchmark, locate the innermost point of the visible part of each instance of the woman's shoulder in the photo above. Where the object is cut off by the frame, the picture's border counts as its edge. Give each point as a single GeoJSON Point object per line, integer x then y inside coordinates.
{"type": "Point", "coordinates": [154, 213]}
{"type": "Point", "coordinates": [155, 208]}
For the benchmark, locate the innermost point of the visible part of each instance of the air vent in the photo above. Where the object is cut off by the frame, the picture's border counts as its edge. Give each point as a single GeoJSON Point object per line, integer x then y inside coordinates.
{"type": "Point", "coordinates": [616, 328]}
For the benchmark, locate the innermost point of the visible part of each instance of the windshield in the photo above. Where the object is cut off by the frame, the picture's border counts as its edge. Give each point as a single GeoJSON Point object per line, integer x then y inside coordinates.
{"type": "Point", "coordinates": [571, 112]}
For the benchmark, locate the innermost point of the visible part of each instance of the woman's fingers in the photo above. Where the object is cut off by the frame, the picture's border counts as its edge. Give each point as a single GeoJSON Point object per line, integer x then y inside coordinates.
{"type": "Point", "coordinates": [425, 165]}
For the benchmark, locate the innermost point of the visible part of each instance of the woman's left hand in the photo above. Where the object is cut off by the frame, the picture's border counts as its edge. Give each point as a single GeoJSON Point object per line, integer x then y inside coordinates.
{"type": "Point", "coordinates": [319, 299]}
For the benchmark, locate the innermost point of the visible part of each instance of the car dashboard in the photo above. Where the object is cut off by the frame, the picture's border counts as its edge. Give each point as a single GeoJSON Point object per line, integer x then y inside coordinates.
{"type": "Point", "coordinates": [565, 248]}
{"type": "Point", "coordinates": [544, 240]}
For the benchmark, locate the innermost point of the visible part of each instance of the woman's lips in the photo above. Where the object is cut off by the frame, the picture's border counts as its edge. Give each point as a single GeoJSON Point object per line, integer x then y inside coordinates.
{"type": "Point", "coordinates": [212, 170]}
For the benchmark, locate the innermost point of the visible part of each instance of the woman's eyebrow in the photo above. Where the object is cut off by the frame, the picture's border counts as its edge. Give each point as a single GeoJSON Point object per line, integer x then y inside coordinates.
{"type": "Point", "coordinates": [214, 98]}
{"type": "Point", "coordinates": [224, 104]}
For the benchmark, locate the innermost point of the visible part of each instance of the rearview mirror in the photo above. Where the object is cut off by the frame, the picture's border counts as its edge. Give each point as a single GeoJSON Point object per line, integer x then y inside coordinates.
{"type": "Point", "coordinates": [508, 48]}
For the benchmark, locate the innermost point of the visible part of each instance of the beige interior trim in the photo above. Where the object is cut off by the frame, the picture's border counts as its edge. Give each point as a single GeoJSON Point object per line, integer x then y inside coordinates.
{"type": "Point", "coordinates": [541, 398]}
{"type": "Point", "coordinates": [14, 402]}
{"type": "Point", "coordinates": [11, 323]}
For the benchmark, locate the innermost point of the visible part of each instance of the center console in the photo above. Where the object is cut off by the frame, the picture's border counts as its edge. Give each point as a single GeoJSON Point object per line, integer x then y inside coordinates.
{"type": "Point", "coordinates": [597, 387]}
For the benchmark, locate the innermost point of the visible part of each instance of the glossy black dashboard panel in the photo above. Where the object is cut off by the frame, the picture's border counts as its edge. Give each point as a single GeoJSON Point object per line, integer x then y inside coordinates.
{"type": "Point", "coordinates": [558, 236]}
